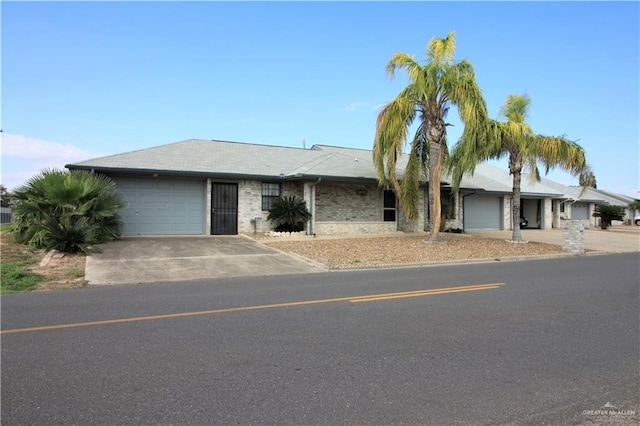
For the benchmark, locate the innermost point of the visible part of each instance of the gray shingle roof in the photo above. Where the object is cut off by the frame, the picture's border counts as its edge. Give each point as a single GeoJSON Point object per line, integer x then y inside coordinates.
{"type": "Point", "coordinates": [216, 158]}
{"type": "Point", "coordinates": [234, 159]}
{"type": "Point", "coordinates": [196, 156]}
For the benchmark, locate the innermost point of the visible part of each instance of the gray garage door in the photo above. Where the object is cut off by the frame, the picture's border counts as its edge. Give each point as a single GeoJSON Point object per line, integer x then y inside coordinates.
{"type": "Point", "coordinates": [162, 206]}
{"type": "Point", "coordinates": [580, 211]}
{"type": "Point", "coordinates": [481, 212]}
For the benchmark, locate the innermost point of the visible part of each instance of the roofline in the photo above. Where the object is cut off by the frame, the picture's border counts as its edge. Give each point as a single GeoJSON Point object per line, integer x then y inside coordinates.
{"type": "Point", "coordinates": [186, 173]}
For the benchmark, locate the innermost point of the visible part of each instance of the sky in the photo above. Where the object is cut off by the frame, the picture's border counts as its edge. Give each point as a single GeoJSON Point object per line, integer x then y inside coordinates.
{"type": "Point", "coordinates": [82, 80]}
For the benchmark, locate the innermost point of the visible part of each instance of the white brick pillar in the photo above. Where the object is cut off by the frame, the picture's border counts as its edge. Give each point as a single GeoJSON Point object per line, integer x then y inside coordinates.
{"type": "Point", "coordinates": [573, 237]}
{"type": "Point", "coordinates": [309, 194]}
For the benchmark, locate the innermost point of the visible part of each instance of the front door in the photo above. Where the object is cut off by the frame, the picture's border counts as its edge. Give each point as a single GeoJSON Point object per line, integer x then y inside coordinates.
{"type": "Point", "coordinates": [224, 209]}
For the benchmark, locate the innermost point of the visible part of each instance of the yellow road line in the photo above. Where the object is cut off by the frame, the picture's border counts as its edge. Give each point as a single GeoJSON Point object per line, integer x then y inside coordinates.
{"type": "Point", "coordinates": [426, 293]}
{"type": "Point", "coordinates": [369, 298]}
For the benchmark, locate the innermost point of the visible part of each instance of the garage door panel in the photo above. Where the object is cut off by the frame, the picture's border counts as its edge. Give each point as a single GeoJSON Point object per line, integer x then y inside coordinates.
{"type": "Point", "coordinates": [580, 211]}
{"type": "Point", "coordinates": [162, 207]}
{"type": "Point", "coordinates": [481, 213]}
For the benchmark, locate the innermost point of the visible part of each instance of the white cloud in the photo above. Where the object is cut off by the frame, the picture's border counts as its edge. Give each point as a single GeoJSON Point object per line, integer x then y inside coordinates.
{"type": "Point", "coordinates": [24, 157]}
{"type": "Point", "coordinates": [354, 106]}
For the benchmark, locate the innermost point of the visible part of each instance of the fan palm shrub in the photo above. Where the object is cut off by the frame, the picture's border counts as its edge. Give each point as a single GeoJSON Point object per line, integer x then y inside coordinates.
{"type": "Point", "coordinates": [607, 214]}
{"type": "Point", "coordinates": [67, 210]}
{"type": "Point", "coordinates": [288, 214]}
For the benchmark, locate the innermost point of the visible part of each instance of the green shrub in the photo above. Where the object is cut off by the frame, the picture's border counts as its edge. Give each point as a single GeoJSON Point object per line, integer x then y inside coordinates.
{"type": "Point", "coordinates": [607, 214]}
{"type": "Point", "coordinates": [67, 211]}
{"type": "Point", "coordinates": [289, 214]}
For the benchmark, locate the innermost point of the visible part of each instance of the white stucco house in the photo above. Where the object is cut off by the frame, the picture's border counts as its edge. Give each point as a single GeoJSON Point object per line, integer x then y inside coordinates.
{"type": "Point", "coordinates": [210, 187]}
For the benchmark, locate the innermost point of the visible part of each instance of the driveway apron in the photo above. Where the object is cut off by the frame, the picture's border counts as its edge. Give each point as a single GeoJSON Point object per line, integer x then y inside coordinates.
{"type": "Point", "coordinates": [156, 259]}
{"type": "Point", "coordinates": [617, 239]}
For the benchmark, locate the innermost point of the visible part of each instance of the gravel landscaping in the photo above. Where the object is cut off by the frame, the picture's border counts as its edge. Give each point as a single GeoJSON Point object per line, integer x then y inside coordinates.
{"type": "Point", "coordinates": [404, 249]}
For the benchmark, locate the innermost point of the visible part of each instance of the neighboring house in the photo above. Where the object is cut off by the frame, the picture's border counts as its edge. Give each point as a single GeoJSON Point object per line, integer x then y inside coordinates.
{"type": "Point", "coordinates": [487, 200]}
{"type": "Point", "coordinates": [622, 201]}
{"type": "Point", "coordinates": [202, 187]}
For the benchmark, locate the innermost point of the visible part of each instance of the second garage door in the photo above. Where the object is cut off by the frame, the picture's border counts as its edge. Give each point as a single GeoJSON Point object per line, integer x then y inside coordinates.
{"type": "Point", "coordinates": [162, 206]}
{"type": "Point", "coordinates": [481, 212]}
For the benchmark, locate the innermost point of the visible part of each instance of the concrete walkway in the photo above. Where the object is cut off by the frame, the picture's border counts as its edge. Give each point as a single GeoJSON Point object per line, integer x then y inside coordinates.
{"type": "Point", "coordinates": [616, 239]}
{"type": "Point", "coordinates": [155, 259]}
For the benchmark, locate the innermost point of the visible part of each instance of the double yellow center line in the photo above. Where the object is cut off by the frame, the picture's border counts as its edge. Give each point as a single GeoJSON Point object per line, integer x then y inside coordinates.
{"type": "Point", "coordinates": [357, 299]}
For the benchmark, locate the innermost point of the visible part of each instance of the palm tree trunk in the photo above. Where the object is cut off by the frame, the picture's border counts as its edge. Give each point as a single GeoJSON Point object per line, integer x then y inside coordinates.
{"type": "Point", "coordinates": [515, 212]}
{"type": "Point", "coordinates": [435, 171]}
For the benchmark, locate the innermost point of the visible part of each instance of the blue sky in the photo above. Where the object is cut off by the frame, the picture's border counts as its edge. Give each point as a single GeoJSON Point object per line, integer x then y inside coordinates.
{"type": "Point", "coordinates": [81, 80]}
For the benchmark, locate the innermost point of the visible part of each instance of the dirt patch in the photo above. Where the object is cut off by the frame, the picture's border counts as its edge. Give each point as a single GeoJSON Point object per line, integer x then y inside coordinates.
{"type": "Point", "coordinates": [63, 272]}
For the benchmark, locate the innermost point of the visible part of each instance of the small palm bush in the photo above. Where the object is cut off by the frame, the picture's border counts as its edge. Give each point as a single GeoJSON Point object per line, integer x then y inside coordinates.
{"type": "Point", "coordinates": [607, 214]}
{"type": "Point", "coordinates": [67, 211]}
{"type": "Point", "coordinates": [289, 214]}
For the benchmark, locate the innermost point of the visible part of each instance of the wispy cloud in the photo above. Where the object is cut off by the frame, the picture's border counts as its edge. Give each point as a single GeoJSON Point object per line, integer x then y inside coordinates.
{"type": "Point", "coordinates": [354, 106]}
{"type": "Point", "coordinates": [24, 156]}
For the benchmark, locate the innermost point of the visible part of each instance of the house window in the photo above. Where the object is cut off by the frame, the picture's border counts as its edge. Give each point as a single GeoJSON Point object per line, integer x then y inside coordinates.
{"type": "Point", "coordinates": [561, 207]}
{"type": "Point", "coordinates": [389, 206]}
{"type": "Point", "coordinates": [270, 192]}
{"type": "Point", "coordinates": [448, 204]}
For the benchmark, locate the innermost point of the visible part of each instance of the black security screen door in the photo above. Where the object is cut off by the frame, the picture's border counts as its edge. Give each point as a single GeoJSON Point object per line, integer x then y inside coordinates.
{"type": "Point", "coordinates": [224, 209]}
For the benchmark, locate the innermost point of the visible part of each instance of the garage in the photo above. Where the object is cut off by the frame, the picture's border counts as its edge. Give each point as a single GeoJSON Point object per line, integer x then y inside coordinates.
{"type": "Point", "coordinates": [482, 212]}
{"type": "Point", "coordinates": [580, 211]}
{"type": "Point", "coordinates": [162, 206]}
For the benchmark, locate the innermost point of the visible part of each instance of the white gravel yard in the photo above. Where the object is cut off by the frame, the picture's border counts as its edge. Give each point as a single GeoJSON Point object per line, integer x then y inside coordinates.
{"type": "Point", "coordinates": [404, 249]}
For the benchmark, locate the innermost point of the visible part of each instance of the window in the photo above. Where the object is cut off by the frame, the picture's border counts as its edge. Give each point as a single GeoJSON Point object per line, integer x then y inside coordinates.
{"type": "Point", "coordinates": [270, 192]}
{"type": "Point", "coordinates": [561, 207]}
{"type": "Point", "coordinates": [448, 203]}
{"type": "Point", "coordinates": [389, 206]}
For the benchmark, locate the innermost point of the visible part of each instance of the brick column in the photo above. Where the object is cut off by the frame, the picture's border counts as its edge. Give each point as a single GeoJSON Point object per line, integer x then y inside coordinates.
{"type": "Point", "coordinates": [573, 237]}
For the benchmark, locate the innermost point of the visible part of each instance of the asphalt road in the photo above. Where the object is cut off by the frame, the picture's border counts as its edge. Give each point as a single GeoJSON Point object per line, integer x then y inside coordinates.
{"type": "Point", "coordinates": [549, 342]}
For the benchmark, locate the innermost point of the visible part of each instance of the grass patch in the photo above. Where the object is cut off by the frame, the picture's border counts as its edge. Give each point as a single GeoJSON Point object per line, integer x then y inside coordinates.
{"type": "Point", "coordinates": [14, 273]}
{"type": "Point", "coordinates": [20, 271]}
{"type": "Point", "coordinates": [14, 265]}
{"type": "Point", "coordinates": [17, 279]}
{"type": "Point", "coordinates": [75, 272]}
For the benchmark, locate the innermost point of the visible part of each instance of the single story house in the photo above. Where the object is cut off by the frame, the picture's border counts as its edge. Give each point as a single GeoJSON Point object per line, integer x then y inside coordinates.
{"type": "Point", "coordinates": [209, 187]}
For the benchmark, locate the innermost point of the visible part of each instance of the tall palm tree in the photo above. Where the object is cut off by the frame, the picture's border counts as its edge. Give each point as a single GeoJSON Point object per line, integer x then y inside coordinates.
{"type": "Point", "coordinates": [515, 139]}
{"type": "Point", "coordinates": [433, 88]}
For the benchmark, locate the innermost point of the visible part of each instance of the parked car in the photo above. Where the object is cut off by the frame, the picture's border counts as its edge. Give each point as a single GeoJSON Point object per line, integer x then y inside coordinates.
{"type": "Point", "coordinates": [524, 222]}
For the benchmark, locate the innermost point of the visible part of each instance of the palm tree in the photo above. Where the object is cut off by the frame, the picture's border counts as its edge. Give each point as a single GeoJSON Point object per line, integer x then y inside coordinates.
{"type": "Point", "coordinates": [433, 88]}
{"type": "Point", "coordinates": [288, 214]}
{"type": "Point", "coordinates": [67, 211]}
{"type": "Point", "coordinates": [515, 139]}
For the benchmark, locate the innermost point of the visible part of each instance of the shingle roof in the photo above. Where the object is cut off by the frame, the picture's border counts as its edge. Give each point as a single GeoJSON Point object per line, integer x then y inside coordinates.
{"type": "Point", "coordinates": [235, 159]}
{"type": "Point", "coordinates": [198, 156]}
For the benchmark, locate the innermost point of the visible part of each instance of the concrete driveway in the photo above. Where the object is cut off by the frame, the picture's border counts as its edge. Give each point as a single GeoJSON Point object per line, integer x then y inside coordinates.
{"type": "Point", "coordinates": [155, 259]}
{"type": "Point", "coordinates": [616, 239]}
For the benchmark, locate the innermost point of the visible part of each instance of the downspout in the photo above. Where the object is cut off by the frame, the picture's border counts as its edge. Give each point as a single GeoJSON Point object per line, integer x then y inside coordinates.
{"type": "Point", "coordinates": [312, 196]}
